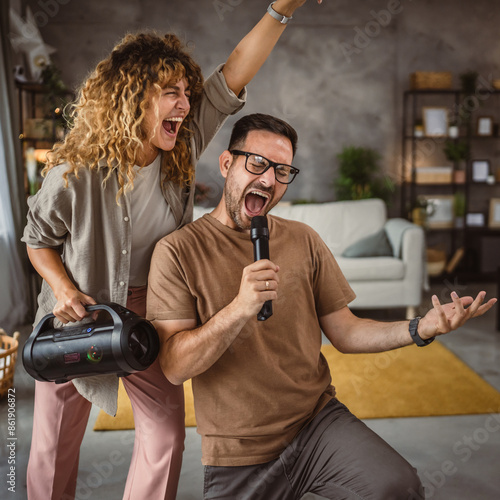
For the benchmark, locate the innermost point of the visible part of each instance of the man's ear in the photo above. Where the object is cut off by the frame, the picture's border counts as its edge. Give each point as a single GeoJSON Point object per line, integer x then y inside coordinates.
{"type": "Point", "coordinates": [225, 161]}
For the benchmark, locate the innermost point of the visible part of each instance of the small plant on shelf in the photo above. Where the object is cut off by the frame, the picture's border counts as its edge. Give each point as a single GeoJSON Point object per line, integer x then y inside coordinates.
{"type": "Point", "coordinates": [457, 151]}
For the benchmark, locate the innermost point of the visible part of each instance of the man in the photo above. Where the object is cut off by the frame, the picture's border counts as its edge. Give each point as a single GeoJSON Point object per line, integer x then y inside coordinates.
{"type": "Point", "coordinates": [270, 423]}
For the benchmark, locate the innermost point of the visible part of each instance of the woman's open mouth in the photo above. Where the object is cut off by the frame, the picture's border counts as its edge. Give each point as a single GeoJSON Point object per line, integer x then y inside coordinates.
{"type": "Point", "coordinates": [172, 125]}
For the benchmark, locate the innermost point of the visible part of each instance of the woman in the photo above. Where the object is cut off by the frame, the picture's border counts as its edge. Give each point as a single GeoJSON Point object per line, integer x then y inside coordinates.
{"type": "Point", "coordinates": [122, 179]}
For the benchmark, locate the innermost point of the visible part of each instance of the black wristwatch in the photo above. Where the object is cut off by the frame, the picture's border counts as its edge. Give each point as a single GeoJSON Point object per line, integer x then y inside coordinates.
{"type": "Point", "coordinates": [415, 336]}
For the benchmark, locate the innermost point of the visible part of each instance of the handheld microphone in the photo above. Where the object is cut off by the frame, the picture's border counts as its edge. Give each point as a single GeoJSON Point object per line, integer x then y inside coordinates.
{"type": "Point", "coordinates": [260, 238]}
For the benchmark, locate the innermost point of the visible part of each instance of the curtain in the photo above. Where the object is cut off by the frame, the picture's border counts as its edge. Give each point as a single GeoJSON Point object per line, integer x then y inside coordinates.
{"type": "Point", "coordinates": [14, 289]}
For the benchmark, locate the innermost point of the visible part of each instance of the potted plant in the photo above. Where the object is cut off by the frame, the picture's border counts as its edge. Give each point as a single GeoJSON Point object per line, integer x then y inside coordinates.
{"type": "Point", "coordinates": [360, 175]}
{"type": "Point", "coordinates": [457, 151]}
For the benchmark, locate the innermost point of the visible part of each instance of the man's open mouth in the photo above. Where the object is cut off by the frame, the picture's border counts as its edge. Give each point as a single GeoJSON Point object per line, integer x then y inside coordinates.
{"type": "Point", "coordinates": [171, 125]}
{"type": "Point", "coordinates": [255, 202]}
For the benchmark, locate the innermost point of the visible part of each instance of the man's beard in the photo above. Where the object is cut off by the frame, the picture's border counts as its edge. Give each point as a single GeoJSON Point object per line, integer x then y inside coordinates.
{"type": "Point", "coordinates": [234, 206]}
{"type": "Point", "coordinates": [234, 210]}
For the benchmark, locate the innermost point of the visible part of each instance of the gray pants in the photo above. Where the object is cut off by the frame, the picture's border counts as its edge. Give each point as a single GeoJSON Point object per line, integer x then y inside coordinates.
{"type": "Point", "coordinates": [336, 457]}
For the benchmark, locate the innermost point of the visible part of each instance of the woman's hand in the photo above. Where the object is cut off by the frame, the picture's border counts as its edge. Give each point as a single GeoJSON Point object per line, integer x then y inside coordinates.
{"type": "Point", "coordinates": [71, 304]}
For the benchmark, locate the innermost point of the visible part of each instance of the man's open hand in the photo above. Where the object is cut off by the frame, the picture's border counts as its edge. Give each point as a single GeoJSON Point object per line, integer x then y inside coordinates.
{"type": "Point", "coordinates": [444, 318]}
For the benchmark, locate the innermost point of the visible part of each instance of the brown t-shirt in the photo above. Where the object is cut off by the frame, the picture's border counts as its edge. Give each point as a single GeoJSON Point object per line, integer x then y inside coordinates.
{"type": "Point", "coordinates": [273, 379]}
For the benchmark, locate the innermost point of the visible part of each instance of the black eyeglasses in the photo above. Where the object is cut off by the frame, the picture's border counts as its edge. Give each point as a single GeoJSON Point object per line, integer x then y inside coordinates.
{"type": "Point", "coordinates": [257, 165]}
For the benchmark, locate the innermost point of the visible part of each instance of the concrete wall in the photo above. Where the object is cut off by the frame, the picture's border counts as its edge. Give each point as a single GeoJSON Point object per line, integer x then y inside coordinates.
{"type": "Point", "coordinates": [337, 76]}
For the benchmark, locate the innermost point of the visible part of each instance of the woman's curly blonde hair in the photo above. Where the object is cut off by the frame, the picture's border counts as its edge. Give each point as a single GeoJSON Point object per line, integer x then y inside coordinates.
{"type": "Point", "coordinates": [108, 114]}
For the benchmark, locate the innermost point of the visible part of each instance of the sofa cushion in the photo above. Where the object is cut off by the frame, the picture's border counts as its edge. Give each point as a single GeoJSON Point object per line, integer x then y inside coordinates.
{"type": "Point", "coordinates": [374, 245]}
{"type": "Point", "coordinates": [372, 268]}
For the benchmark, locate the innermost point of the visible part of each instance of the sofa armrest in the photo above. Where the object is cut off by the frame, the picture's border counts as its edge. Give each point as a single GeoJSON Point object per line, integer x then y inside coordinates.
{"type": "Point", "coordinates": [396, 230]}
{"type": "Point", "coordinates": [408, 242]}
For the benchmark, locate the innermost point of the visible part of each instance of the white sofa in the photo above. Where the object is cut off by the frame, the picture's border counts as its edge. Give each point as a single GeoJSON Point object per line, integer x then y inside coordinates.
{"type": "Point", "coordinates": [379, 282]}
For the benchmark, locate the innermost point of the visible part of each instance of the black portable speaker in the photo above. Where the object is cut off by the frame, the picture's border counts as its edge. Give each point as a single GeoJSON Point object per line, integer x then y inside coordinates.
{"type": "Point", "coordinates": [119, 342]}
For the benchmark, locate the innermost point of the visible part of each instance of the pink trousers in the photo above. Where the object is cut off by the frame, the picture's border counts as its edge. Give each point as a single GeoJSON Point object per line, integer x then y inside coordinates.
{"type": "Point", "coordinates": [61, 416]}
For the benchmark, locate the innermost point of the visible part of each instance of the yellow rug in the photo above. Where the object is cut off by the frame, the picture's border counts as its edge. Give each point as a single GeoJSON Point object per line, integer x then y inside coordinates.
{"type": "Point", "coordinates": [408, 382]}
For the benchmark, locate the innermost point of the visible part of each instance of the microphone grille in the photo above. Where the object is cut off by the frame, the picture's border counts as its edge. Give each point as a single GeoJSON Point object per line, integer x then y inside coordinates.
{"type": "Point", "coordinates": [259, 222]}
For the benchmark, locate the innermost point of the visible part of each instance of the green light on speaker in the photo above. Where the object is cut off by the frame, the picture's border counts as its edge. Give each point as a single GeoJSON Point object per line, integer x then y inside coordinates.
{"type": "Point", "coordinates": [94, 354]}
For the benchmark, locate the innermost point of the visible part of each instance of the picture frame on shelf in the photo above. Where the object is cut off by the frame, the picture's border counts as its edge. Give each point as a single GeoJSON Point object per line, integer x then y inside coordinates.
{"type": "Point", "coordinates": [440, 214]}
{"type": "Point", "coordinates": [484, 126]}
{"type": "Point", "coordinates": [435, 121]}
{"type": "Point", "coordinates": [480, 170]}
{"type": "Point", "coordinates": [474, 219]}
{"type": "Point", "coordinates": [494, 216]}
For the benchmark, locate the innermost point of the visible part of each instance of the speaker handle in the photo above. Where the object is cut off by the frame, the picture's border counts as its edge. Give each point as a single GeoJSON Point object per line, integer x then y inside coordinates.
{"type": "Point", "coordinates": [109, 308]}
